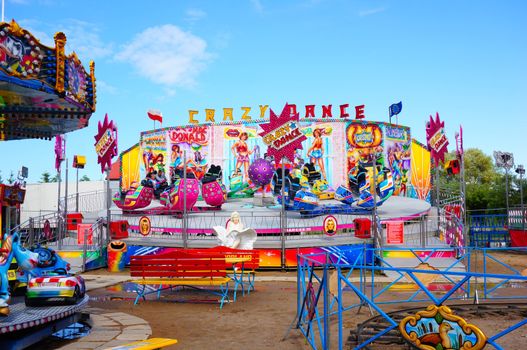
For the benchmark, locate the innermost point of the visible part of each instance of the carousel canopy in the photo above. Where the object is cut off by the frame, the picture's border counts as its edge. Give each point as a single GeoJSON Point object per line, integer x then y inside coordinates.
{"type": "Point", "coordinates": [43, 92]}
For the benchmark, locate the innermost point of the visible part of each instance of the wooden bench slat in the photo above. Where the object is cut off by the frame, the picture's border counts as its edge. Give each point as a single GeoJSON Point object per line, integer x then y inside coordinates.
{"type": "Point", "coordinates": [183, 281]}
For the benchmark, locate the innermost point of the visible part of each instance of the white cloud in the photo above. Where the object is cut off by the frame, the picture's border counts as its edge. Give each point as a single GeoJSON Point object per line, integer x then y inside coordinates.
{"type": "Point", "coordinates": [194, 15]}
{"type": "Point", "coordinates": [257, 4]}
{"type": "Point", "coordinates": [104, 87]}
{"type": "Point", "coordinates": [167, 55]}
{"type": "Point", "coordinates": [82, 37]}
{"type": "Point", "coordinates": [370, 12]}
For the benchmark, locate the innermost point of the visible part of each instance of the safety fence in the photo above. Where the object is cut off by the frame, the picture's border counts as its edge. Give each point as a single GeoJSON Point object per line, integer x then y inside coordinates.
{"type": "Point", "coordinates": [488, 230]}
{"type": "Point", "coordinates": [324, 281]}
{"type": "Point", "coordinates": [269, 226]}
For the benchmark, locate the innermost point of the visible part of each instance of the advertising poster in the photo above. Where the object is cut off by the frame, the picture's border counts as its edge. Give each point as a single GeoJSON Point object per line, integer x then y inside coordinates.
{"type": "Point", "coordinates": [241, 146]}
{"type": "Point", "coordinates": [317, 149]}
{"type": "Point", "coordinates": [364, 144]}
{"type": "Point", "coordinates": [397, 147]}
{"type": "Point", "coordinates": [194, 141]}
{"type": "Point", "coordinates": [153, 152]}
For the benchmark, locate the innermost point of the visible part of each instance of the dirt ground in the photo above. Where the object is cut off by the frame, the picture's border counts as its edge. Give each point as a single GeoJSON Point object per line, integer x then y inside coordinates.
{"type": "Point", "coordinates": [258, 320]}
{"type": "Point", "coordinates": [261, 319]}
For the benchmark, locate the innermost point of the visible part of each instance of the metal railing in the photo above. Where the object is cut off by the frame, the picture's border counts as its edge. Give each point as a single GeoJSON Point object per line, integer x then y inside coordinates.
{"type": "Point", "coordinates": [93, 201]}
{"type": "Point", "coordinates": [322, 283]}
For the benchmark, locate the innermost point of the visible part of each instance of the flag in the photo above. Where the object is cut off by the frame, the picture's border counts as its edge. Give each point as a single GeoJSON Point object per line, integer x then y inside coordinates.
{"type": "Point", "coordinates": [396, 108]}
{"type": "Point", "coordinates": [155, 115]}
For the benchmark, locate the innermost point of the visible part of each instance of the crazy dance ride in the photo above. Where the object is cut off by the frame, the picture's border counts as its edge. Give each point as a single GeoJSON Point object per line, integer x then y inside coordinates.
{"type": "Point", "coordinates": [311, 169]}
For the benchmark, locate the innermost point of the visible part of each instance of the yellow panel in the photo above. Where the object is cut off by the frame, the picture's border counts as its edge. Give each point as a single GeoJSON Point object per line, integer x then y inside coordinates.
{"type": "Point", "coordinates": [130, 167]}
{"type": "Point", "coordinates": [420, 170]}
{"type": "Point", "coordinates": [147, 344]}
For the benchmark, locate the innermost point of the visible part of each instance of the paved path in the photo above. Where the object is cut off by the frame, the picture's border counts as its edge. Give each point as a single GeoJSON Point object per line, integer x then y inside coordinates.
{"type": "Point", "coordinates": [111, 329]}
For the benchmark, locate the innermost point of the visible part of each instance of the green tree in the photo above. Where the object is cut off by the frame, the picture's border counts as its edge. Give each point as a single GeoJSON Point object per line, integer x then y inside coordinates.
{"type": "Point", "coordinates": [85, 178]}
{"type": "Point", "coordinates": [479, 167]}
{"type": "Point", "coordinates": [1, 178]}
{"type": "Point", "coordinates": [45, 177]}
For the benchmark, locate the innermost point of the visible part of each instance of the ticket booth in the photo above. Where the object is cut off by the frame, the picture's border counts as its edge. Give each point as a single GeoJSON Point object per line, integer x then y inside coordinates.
{"type": "Point", "coordinates": [11, 197]}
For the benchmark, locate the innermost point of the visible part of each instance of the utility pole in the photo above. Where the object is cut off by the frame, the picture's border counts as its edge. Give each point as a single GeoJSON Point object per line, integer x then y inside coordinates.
{"type": "Point", "coordinates": [521, 171]}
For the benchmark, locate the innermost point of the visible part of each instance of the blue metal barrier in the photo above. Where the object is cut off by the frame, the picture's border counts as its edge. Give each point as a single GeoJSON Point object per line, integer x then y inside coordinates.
{"type": "Point", "coordinates": [319, 306]}
{"type": "Point", "coordinates": [486, 230]}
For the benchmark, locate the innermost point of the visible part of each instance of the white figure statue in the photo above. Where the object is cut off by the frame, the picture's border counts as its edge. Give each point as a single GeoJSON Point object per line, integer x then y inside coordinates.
{"type": "Point", "coordinates": [235, 236]}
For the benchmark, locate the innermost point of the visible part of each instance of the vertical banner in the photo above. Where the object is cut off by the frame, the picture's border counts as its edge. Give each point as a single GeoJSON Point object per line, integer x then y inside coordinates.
{"type": "Point", "coordinates": [436, 139]}
{"type": "Point", "coordinates": [421, 168]}
{"type": "Point", "coordinates": [394, 232]}
{"type": "Point", "coordinates": [106, 143]}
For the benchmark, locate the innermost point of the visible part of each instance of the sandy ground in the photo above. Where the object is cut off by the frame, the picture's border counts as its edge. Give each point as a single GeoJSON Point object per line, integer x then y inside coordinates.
{"type": "Point", "coordinates": [261, 319]}
{"type": "Point", "coordinates": [258, 320]}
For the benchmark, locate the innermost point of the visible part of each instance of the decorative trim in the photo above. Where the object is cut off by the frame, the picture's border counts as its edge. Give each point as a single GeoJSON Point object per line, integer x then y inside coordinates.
{"type": "Point", "coordinates": [92, 76]}
{"type": "Point", "coordinates": [439, 314]}
{"type": "Point", "coordinates": [60, 43]}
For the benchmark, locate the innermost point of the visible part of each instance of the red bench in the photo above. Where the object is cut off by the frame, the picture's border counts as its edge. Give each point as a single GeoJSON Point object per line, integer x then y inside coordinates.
{"type": "Point", "coordinates": [180, 269]}
{"type": "Point", "coordinates": [244, 265]}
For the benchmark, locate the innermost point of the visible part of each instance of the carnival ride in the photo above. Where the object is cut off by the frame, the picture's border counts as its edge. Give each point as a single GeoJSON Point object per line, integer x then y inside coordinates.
{"type": "Point", "coordinates": [43, 93]}
{"type": "Point", "coordinates": [350, 176]}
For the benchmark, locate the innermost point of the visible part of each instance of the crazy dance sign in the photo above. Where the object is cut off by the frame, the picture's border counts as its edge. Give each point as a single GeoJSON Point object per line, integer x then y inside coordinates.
{"type": "Point", "coordinates": [282, 135]}
{"type": "Point", "coordinates": [106, 143]}
{"type": "Point", "coordinates": [436, 139]}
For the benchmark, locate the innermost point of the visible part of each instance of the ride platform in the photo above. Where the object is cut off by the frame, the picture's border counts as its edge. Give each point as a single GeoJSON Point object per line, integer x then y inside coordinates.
{"type": "Point", "coordinates": [28, 325]}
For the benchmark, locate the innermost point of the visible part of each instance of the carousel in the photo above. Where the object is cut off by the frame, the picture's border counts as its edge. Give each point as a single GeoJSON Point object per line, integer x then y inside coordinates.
{"type": "Point", "coordinates": [43, 93]}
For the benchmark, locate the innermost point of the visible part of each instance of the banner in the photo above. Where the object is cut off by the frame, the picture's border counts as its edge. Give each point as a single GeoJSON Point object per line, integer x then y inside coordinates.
{"type": "Point", "coordinates": [106, 143]}
{"type": "Point", "coordinates": [420, 171]}
{"type": "Point", "coordinates": [282, 135]}
{"type": "Point", "coordinates": [436, 139]}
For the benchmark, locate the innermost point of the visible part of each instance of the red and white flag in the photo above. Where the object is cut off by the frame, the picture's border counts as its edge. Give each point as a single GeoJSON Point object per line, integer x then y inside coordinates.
{"type": "Point", "coordinates": [155, 115]}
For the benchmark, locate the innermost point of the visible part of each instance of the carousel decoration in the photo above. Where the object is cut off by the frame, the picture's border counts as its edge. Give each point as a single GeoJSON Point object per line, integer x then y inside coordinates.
{"type": "Point", "coordinates": [43, 91]}
{"type": "Point", "coordinates": [438, 328]}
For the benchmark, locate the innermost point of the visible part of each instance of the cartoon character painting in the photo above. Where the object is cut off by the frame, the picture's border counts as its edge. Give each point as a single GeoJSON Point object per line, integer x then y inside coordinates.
{"type": "Point", "coordinates": [241, 152]}
{"type": "Point", "coordinates": [316, 151]}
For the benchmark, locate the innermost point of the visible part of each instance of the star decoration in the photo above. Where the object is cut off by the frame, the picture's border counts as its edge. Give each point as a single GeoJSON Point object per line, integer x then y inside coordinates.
{"type": "Point", "coordinates": [287, 149]}
{"type": "Point", "coordinates": [436, 139]}
{"type": "Point", "coordinates": [106, 143]}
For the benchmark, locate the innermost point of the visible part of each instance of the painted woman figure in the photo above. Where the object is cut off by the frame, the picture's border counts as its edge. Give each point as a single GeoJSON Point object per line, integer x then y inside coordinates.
{"type": "Point", "coordinates": [315, 152]}
{"type": "Point", "coordinates": [176, 160]}
{"type": "Point", "coordinates": [148, 156]}
{"type": "Point", "coordinates": [241, 151]}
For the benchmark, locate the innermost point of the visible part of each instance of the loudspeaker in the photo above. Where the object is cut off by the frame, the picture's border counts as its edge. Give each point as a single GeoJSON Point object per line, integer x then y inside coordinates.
{"type": "Point", "coordinates": [79, 162]}
{"type": "Point", "coordinates": [452, 167]}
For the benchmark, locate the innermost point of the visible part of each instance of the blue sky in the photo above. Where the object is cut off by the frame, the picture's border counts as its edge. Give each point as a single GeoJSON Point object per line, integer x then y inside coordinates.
{"type": "Point", "coordinates": [463, 59]}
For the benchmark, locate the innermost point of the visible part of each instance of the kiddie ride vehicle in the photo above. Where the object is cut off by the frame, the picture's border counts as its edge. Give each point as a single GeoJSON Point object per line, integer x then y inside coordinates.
{"type": "Point", "coordinates": [55, 286]}
{"type": "Point", "coordinates": [212, 190]}
{"type": "Point", "coordinates": [361, 187]}
{"type": "Point", "coordinates": [137, 197]}
{"type": "Point", "coordinates": [213, 193]}
{"type": "Point", "coordinates": [302, 198]}
{"type": "Point", "coordinates": [47, 261]}
{"type": "Point", "coordinates": [238, 188]}
{"type": "Point", "coordinates": [50, 281]}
